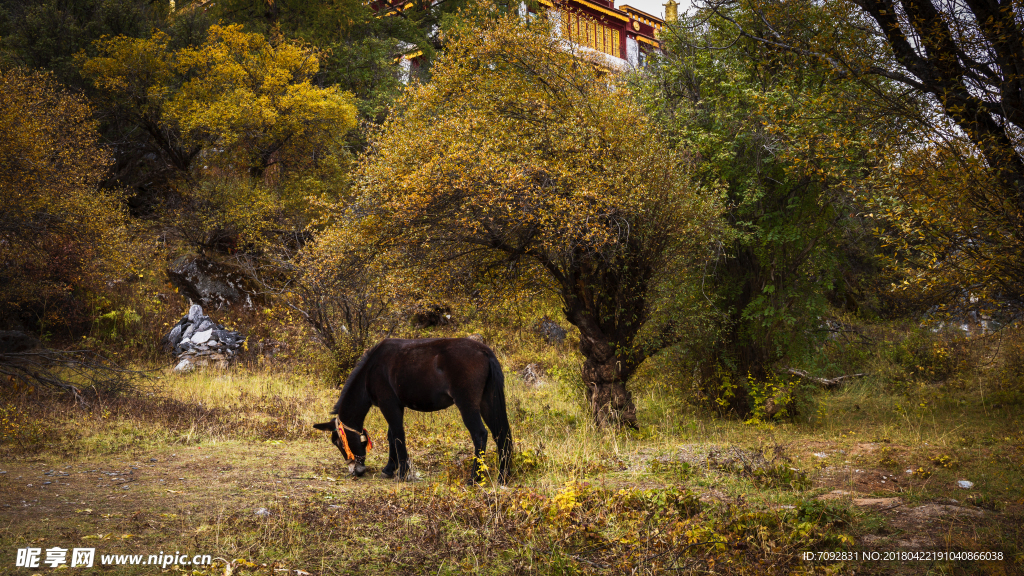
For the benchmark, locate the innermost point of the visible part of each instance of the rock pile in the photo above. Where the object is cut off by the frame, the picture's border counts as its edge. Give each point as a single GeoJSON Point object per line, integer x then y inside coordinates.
{"type": "Point", "coordinates": [549, 330]}
{"type": "Point", "coordinates": [198, 341]}
{"type": "Point", "coordinates": [532, 375]}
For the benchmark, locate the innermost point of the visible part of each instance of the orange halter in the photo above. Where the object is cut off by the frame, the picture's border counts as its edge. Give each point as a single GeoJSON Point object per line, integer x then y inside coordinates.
{"type": "Point", "coordinates": [364, 436]}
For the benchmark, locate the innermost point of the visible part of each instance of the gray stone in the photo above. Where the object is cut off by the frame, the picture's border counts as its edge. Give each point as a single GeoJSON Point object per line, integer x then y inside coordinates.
{"type": "Point", "coordinates": [202, 342]}
{"type": "Point", "coordinates": [207, 282]}
{"type": "Point", "coordinates": [189, 330]}
{"type": "Point", "coordinates": [550, 331]}
{"type": "Point", "coordinates": [228, 337]}
{"type": "Point", "coordinates": [174, 336]}
{"type": "Point", "coordinates": [533, 375]}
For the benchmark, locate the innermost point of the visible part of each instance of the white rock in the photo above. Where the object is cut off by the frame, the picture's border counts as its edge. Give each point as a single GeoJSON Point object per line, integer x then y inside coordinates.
{"type": "Point", "coordinates": [821, 455]}
{"type": "Point", "coordinates": [183, 366]}
{"type": "Point", "coordinates": [201, 337]}
{"type": "Point", "coordinates": [965, 484]}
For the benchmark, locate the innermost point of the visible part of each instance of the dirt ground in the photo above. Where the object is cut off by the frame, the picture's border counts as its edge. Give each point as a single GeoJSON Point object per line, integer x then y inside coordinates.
{"type": "Point", "coordinates": [154, 502]}
{"type": "Point", "coordinates": [165, 499]}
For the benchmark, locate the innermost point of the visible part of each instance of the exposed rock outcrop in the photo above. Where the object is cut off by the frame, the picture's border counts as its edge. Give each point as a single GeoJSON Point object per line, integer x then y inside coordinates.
{"type": "Point", "coordinates": [208, 283]}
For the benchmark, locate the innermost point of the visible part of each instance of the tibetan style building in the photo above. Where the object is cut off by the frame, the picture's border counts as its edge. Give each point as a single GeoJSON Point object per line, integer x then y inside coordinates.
{"type": "Point", "coordinates": [623, 36]}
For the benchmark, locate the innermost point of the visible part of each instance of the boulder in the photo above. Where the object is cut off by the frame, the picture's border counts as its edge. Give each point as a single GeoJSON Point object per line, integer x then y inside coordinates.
{"type": "Point", "coordinates": [208, 283]}
{"type": "Point", "coordinates": [550, 330]}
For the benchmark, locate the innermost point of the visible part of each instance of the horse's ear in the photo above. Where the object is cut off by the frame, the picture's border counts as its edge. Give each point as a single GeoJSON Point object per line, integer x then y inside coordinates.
{"type": "Point", "coordinates": [325, 426]}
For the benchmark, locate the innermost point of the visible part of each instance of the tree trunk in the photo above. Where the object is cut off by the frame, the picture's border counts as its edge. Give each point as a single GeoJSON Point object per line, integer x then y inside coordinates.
{"type": "Point", "coordinates": [604, 376]}
{"type": "Point", "coordinates": [610, 402]}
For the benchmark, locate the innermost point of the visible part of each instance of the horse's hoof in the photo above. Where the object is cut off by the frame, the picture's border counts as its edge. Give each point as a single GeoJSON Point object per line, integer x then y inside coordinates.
{"type": "Point", "coordinates": [386, 475]}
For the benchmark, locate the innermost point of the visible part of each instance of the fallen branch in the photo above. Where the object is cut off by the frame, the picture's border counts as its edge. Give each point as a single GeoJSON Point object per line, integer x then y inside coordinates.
{"type": "Point", "coordinates": [64, 370]}
{"type": "Point", "coordinates": [827, 383]}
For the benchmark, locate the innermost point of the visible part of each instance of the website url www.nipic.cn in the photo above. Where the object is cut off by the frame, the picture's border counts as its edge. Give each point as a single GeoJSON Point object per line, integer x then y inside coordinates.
{"type": "Point", "coordinates": [86, 558]}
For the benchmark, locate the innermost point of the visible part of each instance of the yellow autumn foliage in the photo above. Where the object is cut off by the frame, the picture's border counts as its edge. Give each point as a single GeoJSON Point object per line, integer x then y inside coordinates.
{"type": "Point", "coordinates": [59, 230]}
{"type": "Point", "coordinates": [239, 100]}
{"type": "Point", "coordinates": [523, 157]}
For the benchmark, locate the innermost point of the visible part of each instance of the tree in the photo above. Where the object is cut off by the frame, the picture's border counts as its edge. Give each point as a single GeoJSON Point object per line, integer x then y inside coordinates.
{"type": "Point", "coordinates": [59, 230]}
{"type": "Point", "coordinates": [961, 59]}
{"type": "Point", "coordinates": [518, 158]}
{"type": "Point", "coordinates": [347, 291]}
{"type": "Point", "coordinates": [48, 33]}
{"type": "Point", "coordinates": [240, 99]}
{"type": "Point", "coordinates": [359, 42]}
{"type": "Point", "coordinates": [789, 146]}
{"type": "Point", "coordinates": [268, 136]}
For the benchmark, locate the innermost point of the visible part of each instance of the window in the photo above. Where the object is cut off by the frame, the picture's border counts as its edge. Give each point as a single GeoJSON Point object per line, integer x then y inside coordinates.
{"type": "Point", "coordinates": [590, 33]}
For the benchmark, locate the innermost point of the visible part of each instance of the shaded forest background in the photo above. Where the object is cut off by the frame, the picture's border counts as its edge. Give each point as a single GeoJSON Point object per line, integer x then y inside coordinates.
{"type": "Point", "coordinates": [781, 171]}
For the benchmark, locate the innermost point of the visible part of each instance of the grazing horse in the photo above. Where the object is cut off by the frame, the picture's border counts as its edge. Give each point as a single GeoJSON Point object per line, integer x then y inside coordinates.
{"type": "Point", "coordinates": [424, 375]}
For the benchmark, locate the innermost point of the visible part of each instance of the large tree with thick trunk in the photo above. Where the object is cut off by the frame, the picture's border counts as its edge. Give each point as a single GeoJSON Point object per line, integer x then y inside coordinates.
{"type": "Point", "coordinates": [949, 75]}
{"type": "Point", "coordinates": [519, 158]}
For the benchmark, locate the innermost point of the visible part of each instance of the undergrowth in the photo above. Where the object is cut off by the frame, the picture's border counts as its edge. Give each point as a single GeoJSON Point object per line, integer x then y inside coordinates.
{"type": "Point", "coordinates": [690, 491]}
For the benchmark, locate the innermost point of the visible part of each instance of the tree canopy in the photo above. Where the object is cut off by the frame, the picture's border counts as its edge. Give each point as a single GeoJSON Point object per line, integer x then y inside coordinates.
{"type": "Point", "coordinates": [959, 99]}
{"type": "Point", "coordinates": [59, 230]}
{"type": "Point", "coordinates": [518, 158]}
{"type": "Point", "coordinates": [790, 147]}
{"type": "Point", "coordinates": [238, 98]}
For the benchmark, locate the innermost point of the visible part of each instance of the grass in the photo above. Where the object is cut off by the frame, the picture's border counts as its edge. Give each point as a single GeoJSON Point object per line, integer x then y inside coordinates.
{"type": "Point", "coordinates": [201, 454]}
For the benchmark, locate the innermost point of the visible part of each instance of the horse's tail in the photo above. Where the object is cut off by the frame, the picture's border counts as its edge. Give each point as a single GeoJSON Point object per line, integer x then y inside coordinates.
{"type": "Point", "coordinates": [494, 393]}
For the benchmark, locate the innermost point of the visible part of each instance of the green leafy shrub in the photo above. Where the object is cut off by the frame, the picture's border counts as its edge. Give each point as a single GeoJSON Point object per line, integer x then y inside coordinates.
{"type": "Point", "coordinates": [829, 512]}
{"type": "Point", "coordinates": [781, 476]}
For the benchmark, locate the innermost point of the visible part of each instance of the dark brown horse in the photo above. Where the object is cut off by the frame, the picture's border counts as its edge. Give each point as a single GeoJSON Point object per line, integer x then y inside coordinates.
{"type": "Point", "coordinates": [424, 375]}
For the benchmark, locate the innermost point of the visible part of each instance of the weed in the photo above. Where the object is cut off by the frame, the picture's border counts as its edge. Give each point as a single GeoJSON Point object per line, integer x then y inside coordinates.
{"type": "Point", "coordinates": [778, 398]}
{"type": "Point", "coordinates": [887, 458]}
{"type": "Point", "coordinates": [829, 512]}
{"type": "Point", "coordinates": [921, 473]}
{"type": "Point", "coordinates": [672, 470]}
{"type": "Point", "coordinates": [945, 461]}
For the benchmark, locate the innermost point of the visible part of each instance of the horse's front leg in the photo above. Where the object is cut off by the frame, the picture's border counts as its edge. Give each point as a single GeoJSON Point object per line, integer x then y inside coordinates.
{"type": "Point", "coordinates": [389, 469]}
{"type": "Point", "coordinates": [397, 454]}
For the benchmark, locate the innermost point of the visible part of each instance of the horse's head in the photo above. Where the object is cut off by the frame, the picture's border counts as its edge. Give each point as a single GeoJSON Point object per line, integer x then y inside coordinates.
{"type": "Point", "coordinates": [352, 444]}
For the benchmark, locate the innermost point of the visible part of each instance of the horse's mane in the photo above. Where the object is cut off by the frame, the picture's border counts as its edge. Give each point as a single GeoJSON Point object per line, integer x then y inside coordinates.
{"type": "Point", "coordinates": [352, 376]}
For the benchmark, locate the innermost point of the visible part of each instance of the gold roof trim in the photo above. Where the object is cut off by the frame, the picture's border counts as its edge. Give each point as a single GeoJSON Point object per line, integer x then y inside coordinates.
{"type": "Point", "coordinates": [603, 10]}
{"type": "Point", "coordinates": [627, 9]}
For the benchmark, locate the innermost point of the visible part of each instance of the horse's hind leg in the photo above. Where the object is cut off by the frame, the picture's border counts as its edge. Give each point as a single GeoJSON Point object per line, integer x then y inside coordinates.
{"type": "Point", "coordinates": [471, 418]}
{"type": "Point", "coordinates": [497, 421]}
